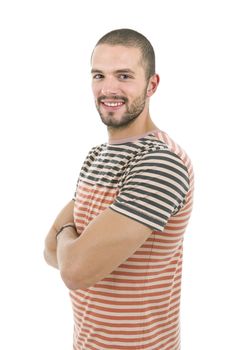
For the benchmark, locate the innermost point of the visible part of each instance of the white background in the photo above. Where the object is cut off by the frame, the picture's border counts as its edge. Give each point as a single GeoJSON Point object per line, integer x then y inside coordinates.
{"type": "Point", "coordinates": [49, 122]}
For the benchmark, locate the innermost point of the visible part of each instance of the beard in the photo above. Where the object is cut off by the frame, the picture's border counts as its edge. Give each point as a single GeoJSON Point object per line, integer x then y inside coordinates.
{"type": "Point", "coordinates": [132, 112]}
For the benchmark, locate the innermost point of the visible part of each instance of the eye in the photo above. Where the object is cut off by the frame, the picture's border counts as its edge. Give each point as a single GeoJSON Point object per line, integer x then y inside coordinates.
{"type": "Point", "coordinates": [124, 76]}
{"type": "Point", "coordinates": [98, 76]}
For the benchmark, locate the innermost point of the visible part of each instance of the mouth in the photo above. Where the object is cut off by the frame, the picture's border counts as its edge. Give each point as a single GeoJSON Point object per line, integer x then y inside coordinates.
{"type": "Point", "coordinates": [111, 105]}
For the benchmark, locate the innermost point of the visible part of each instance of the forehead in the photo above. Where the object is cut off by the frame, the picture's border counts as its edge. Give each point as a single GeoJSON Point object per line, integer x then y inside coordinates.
{"type": "Point", "coordinates": [109, 57]}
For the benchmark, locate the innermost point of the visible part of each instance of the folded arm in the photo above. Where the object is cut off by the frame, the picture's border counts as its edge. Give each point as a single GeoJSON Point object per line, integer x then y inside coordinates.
{"type": "Point", "coordinates": [106, 242]}
{"type": "Point", "coordinates": [50, 250]}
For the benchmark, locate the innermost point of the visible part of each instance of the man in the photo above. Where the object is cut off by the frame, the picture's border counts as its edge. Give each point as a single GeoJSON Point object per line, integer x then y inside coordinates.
{"type": "Point", "coordinates": [118, 244]}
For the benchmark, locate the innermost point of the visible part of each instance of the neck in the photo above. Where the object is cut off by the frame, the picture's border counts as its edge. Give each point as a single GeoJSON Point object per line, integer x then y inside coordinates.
{"type": "Point", "coordinates": [138, 127]}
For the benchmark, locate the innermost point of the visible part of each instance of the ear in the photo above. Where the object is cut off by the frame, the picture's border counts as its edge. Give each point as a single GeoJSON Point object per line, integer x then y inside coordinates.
{"type": "Point", "coordinates": [152, 85]}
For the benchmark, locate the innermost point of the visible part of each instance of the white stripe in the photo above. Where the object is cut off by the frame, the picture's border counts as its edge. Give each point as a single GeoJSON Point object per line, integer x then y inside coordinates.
{"type": "Point", "coordinates": [137, 339]}
{"type": "Point", "coordinates": [137, 298]}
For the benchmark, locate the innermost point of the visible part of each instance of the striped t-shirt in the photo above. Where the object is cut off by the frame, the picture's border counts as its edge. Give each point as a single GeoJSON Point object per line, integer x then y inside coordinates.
{"type": "Point", "coordinates": [150, 180]}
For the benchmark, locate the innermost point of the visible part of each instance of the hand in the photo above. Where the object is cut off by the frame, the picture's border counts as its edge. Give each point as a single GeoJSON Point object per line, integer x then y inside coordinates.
{"type": "Point", "coordinates": [64, 217]}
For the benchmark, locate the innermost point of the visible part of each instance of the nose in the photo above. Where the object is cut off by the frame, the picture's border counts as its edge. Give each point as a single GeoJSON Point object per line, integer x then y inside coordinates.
{"type": "Point", "coordinates": [110, 87]}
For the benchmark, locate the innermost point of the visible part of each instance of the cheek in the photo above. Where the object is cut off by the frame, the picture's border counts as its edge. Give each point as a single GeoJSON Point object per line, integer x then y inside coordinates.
{"type": "Point", "coordinates": [96, 90]}
{"type": "Point", "coordinates": [135, 89]}
{"type": "Point", "coordinates": [93, 87]}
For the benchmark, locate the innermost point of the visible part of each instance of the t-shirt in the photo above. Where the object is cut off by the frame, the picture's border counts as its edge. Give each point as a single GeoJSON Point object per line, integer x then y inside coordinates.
{"type": "Point", "coordinates": [149, 179]}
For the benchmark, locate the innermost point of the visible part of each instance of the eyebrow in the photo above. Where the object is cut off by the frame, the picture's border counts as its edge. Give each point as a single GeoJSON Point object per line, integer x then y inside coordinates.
{"type": "Point", "coordinates": [124, 70]}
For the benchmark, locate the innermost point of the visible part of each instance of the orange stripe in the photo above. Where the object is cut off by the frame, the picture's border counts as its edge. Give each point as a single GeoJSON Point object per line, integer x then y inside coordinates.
{"type": "Point", "coordinates": [130, 289]}
{"type": "Point", "coordinates": [126, 347]}
{"type": "Point", "coordinates": [144, 295]}
{"type": "Point", "coordinates": [115, 302]}
{"type": "Point", "coordinates": [129, 273]}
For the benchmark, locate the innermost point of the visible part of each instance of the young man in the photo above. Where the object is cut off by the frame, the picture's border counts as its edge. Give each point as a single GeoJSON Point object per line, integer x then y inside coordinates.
{"type": "Point", "coordinates": [118, 244]}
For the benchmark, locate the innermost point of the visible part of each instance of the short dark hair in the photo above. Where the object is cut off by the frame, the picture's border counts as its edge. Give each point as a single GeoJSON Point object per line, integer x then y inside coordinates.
{"type": "Point", "coordinates": [131, 38]}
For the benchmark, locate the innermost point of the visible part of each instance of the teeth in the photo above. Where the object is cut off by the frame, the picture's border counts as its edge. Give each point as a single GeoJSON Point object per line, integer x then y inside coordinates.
{"type": "Point", "coordinates": [113, 104]}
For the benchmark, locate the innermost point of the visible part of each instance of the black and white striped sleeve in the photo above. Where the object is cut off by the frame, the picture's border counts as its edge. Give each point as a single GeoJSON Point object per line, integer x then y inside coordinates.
{"type": "Point", "coordinates": [154, 189]}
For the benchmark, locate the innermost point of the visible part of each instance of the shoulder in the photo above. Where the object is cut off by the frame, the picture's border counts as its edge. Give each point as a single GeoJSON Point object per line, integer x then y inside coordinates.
{"type": "Point", "coordinates": [161, 165]}
{"type": "Point", "coordinates": [153, 151]}
{"type": "Point", "coordinates": [95, 150]}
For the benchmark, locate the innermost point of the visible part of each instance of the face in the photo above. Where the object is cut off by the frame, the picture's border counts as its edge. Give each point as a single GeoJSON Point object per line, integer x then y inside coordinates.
{"type": "Point", "coordinates": [119, 84]}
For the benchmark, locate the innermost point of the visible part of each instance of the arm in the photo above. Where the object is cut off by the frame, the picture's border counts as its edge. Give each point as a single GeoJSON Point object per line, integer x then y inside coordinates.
{"type": "Point", "coordinates": [155, 190]}
{"type": "Point", "coordinates": [50, 250]}
{"type": "Point", "coordinates": [106, 242]}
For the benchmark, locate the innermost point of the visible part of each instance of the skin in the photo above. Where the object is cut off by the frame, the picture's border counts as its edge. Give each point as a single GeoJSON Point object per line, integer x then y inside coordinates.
{"type": "Point", "coordinates": [117, 74]}
{"type": "Point", "coordinates": [110, 238]}
{"type": "Point", "coordinates": [64, 217]}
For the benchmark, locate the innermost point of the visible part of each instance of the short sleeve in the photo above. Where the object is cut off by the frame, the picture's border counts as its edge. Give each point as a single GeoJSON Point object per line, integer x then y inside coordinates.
{"type": "Point", "coordinates": [154, 189]}
{"type": "Point", "coordinates": [85, 166]}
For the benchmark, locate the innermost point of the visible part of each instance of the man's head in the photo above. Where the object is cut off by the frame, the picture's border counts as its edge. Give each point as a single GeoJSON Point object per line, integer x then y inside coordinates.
{"type": "Point", "coordinates": [123, 71]}
{"type": "Point", "coordinates": [131, 38]}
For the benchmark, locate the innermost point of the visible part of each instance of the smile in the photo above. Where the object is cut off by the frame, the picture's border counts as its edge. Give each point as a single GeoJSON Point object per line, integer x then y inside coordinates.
{"type": "Point", "coordinates": [113, 104]}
